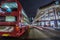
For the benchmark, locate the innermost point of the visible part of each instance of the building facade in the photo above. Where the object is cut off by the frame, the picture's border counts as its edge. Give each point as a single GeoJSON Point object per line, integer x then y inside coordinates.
{"type": "Point", "coordinates": [49, 16]}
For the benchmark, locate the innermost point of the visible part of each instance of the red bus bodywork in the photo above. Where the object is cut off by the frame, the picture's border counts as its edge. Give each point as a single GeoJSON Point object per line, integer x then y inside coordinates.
{"type": "Point", "coordinates": [17, 31]}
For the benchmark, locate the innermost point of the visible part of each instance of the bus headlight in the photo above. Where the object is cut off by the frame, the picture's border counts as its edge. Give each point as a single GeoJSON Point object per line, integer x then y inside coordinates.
{"type": "Point", "coordinates": [6, 29]}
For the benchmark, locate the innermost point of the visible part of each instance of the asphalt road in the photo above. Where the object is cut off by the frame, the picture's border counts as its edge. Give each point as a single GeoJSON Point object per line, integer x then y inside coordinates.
{"type": "Point", "coordinates": [37, 34]}
{"type": "Point", "coordinates": [44, 34]}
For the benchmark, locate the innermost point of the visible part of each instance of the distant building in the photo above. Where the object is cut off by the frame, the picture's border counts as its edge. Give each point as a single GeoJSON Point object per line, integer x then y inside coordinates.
{"type": "Point", "coordinates": [24, 18]}
{"type": "Point", "coordinates": [49, 15]}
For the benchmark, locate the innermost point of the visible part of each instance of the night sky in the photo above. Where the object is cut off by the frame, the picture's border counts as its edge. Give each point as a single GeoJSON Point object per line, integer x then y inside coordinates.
{"type": "Point", "coordinates": [31, 6]}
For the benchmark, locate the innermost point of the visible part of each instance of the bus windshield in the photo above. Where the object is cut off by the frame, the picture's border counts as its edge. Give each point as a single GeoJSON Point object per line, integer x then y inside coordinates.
{"type": "Point", "coordinates": [9, 6]}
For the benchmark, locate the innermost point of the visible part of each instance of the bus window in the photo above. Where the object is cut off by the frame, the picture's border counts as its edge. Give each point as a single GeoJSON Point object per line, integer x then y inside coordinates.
{"type": "Point", "coordinates": [10, 19]}
{"type": "Point", "coordinates": [9, 6]}
{"type": "Point", "coordinates": [7, 19]}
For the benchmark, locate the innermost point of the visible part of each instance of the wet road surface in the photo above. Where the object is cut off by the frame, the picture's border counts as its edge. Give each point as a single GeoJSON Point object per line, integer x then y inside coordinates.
{"type": "Point", "coordinates": [44, 34]}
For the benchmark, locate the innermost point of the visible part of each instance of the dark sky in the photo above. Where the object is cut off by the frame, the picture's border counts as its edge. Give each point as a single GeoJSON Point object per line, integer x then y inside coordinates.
{"type": "Point", "coordinates": [31, 6]}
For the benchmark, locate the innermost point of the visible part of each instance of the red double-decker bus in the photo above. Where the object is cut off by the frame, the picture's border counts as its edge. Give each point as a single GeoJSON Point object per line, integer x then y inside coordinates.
{"type": "Point", "coordinates": [10, 18]}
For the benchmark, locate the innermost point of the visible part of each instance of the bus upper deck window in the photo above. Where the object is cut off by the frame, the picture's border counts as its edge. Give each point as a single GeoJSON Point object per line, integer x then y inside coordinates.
{"type": "Point", "coordinates": [9, 6]}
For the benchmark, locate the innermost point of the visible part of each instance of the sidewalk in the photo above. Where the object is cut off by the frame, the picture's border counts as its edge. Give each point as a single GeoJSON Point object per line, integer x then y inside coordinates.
{"type": "Point", "coordinates": [50, 28]}
{"type": "Point", "coordinates": [41, 28]}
